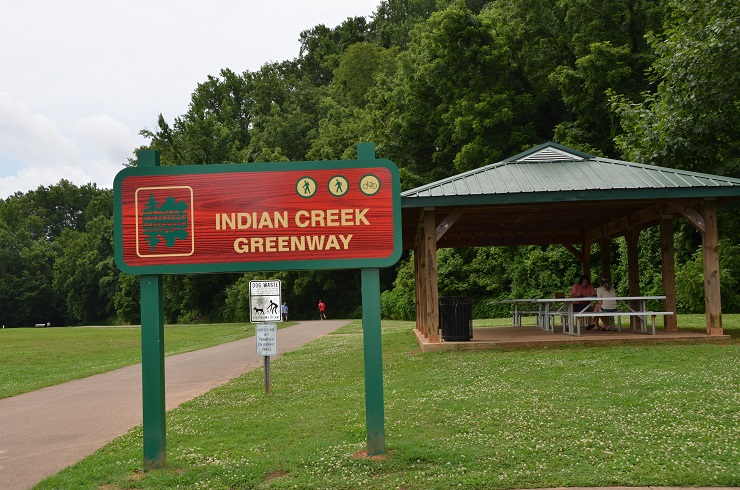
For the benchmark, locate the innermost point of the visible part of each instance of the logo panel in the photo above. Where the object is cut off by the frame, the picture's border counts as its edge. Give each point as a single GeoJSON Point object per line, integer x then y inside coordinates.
{"type": "Point", "coordinates": [164, 223]}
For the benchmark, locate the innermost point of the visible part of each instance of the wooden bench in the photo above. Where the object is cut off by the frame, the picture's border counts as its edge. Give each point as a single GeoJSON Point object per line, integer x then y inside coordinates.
{"type": "Point", "coordinates": [620, 314]}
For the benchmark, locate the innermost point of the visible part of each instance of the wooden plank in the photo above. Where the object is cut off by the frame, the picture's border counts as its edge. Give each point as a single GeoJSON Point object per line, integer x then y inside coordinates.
{"type": "Point", "coordinates": [605, 251]}
{"type": "Point", "coordinates": [446, 224]}
{"type": "Point", "coordinates": [668, 271]}
{"type": "Point", "coordinates": [577, 253]}
{"type": "Point", "coordinates": [419, 285]}
{"type": "Point", "coordinates": [633, 269]}
{"type": "Point", "coordinates": [710, 249]}
{"type": "Point", "coordinates": [692, 215]}
{"type": "Point", "coordinates": [431, 291]}
{"type": "Point", "coordinates": [586, 259]}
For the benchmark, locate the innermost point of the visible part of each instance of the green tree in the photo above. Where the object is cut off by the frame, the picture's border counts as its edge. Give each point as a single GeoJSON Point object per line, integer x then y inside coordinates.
{"type": "Point", "coordinates": [288, 127]}
{"type": "Point", "coordinates": [692, 121]}
{"type": "Point", "coordinates": [322, 48]}
{"type": "Point", "coordinates": [394, 19]}
{"type": "Point", "coordinates": [454, 103]}
{"type": "Point", "coordinates": [85, 274]}
{"type": "Point", "coordinates": [569, 53]}
{"type": "Point", "coordinates": [32, 225]}
{"type": "Point", "coordinates": [346, 121]}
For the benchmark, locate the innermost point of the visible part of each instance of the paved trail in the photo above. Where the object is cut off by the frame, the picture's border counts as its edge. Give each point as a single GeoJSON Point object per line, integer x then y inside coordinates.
{"type": "Point", "coordinates": [45, 431]}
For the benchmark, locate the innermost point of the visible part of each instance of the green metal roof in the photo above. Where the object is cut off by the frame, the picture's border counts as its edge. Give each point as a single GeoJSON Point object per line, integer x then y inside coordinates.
{"type": "Point", "coordinates": [552, 172]}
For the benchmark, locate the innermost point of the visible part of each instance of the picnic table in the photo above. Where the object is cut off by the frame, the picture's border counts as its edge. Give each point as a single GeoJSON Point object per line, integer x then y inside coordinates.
{"type": "Point", "coordinates": [548, 309]}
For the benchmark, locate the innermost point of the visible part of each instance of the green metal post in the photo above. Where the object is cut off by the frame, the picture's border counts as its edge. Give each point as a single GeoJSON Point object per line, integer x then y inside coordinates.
{"type": "Point", "coordinates": [373, 350]}
{"type": "Point", "coordinates": [372, 344]}
{"type": "Point", "coordinates": [152, 356]}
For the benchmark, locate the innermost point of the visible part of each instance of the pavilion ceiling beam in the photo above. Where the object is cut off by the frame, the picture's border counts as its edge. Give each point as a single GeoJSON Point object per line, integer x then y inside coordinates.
{"type": "Point", "coordinates": [570, 248]}
{"type": "Point", "coordinates": [618, 227]}
{"type": "Point", "coordinates": [648, 216]}
{"type": "Point", "coordinates": [452, 239]}
{"type": "Point", "coordinates": [692, 215]}
{"type": "Point", "coordinates": [612, 229]}
{"type": "Point", "coordinates": [446, 223]}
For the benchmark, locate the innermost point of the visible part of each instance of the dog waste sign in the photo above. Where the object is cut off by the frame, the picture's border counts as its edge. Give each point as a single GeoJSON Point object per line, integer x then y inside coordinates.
{"type": "Point", "coordinates": [264, 301]}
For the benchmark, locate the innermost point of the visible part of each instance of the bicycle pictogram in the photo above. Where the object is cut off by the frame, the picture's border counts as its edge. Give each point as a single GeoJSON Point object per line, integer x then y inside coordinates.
{"type": "Point", "coordinates": [369, 184]}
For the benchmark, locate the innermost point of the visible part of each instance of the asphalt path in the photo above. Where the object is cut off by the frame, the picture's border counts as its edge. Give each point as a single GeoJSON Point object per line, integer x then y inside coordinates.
{"type": "Point", "coordinates": [45, 431]}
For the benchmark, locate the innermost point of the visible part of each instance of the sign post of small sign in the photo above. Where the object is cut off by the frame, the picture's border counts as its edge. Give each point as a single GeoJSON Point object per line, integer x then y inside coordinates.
{"type": "Point", "coordinates": [265, 336]}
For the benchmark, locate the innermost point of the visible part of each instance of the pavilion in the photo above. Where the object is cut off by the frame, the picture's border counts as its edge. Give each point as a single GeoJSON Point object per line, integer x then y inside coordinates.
{"type": "Point", "coordinates": [552, 194]}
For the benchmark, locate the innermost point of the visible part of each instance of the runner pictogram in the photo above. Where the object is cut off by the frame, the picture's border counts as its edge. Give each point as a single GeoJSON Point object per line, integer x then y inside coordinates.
{"type": "Point", "coordinates": [306, 187]}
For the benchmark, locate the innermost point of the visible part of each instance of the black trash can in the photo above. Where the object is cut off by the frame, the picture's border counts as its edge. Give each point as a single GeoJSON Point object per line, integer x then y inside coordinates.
{"type": "Point", "coordinates": [456, 318]}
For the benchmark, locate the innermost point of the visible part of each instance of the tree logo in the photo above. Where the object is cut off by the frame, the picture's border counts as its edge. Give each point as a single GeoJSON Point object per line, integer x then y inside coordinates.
{"type": "Point", "coordinates": [164, 226]}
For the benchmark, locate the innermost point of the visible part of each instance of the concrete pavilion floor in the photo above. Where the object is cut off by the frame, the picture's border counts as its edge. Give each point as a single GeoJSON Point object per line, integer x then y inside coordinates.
{"type": "Point", "coordinates": [532, 337]}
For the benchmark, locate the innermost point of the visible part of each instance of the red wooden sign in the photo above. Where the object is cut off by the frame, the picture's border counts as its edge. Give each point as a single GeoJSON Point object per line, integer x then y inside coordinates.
{"type": "Point", "coordinates": [244, 217]}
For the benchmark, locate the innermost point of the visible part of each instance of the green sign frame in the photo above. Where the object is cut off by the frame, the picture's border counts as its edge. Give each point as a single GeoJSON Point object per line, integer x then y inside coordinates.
{"type": "Point", "coordinates": [185, 172]}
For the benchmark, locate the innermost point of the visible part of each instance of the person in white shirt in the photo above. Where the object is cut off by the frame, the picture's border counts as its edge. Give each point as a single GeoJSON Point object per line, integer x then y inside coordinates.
{"type": "Point", "coordinates": [606, 304]}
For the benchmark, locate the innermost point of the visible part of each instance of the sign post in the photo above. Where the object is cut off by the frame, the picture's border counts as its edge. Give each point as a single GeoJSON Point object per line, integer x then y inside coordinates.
{"type": "Point", "coordinates": [152, 356]}
{"type": "Point", "coordinates": [372, 345]}
{"type": "Point", "coordinates": [256, 217]}
{"type": "Point", "coordinates": [266, 341]}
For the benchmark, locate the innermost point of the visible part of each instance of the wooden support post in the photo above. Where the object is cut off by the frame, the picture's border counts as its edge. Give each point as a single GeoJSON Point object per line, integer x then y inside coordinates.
{"type": "Point", "coordinates": [419, 279]}
{"type": "Point", "coordinates": [633, 270]}
{"type": "Point", "coordinates": [667, 264]}
{"type": "Point", "coordinates": [586, 260]}
{"type": "Point", "coordinates": [605, 251]}
{"type": "Point", "coordinates": [431, 289]}
{"type": "Point", "coordinates": [710, 250]}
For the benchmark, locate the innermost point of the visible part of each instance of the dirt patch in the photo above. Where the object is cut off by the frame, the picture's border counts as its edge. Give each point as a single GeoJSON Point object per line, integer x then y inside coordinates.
{"type": "Point", "coordinates": [276, 475]}
{"type": "Point", "coordinates": [138, 475]}
{"type": "Point", "coordinates": [378, 457]}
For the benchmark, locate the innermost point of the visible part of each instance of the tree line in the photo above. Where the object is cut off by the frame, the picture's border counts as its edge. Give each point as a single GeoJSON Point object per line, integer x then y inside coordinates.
{"type": "Point", "coordinates": [441, 87]}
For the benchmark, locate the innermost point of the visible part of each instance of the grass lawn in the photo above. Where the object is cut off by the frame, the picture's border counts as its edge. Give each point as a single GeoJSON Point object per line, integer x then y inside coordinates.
{"type": "Point", "coordinates": [622, 415]}
{"type": "Point", "coordinates": [33, 358]}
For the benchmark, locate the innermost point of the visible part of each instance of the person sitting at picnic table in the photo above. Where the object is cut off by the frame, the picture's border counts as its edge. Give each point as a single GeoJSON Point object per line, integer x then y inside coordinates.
{"type": "Point", "coordinates": [583, 289]}
{"type": "Point", "coordinates": [607, 305]}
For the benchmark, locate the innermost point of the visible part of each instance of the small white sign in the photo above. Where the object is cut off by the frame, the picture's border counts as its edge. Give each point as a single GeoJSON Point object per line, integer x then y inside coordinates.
{"type": "Point", "coordinates": [264, 288]}
{"type": "Point", "coordinates": [264, 301]}
{"type": "Point", "coordinates": [266, 339]}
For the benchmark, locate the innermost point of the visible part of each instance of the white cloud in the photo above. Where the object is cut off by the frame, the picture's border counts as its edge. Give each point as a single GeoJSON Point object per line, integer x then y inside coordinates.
{"type": "Point", "coordinates": [31, 137]}
{"type": "Point", "coordinates": [95, 152]}
{"type": "Point", "coordinates": [80, 79]}
{"type": "Point", "coordinates": [31, 178]}
{"type": "Point", "coordinates": [108, 144]}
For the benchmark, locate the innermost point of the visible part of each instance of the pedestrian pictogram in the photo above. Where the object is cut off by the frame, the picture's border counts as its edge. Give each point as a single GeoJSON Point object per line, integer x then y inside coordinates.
{"type": "Point", "coordinates": [338, 185]}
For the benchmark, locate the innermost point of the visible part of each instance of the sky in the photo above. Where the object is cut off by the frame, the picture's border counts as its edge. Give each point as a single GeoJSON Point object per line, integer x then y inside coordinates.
{"type": "Point", "coordinates": [79, 79]}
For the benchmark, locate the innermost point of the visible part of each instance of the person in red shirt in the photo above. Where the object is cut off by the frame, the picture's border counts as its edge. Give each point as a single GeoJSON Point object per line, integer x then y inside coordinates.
{"type": "Point", "coordinates": [322, 307]}
{"type": "Point", "coordinates": [583, 289]}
